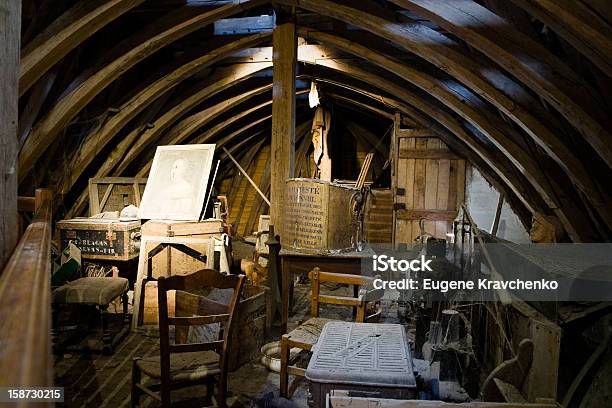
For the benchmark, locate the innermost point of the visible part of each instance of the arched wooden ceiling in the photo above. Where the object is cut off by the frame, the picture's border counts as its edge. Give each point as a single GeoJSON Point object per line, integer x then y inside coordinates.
{"type": "Point", "coordinates": [529, 118]}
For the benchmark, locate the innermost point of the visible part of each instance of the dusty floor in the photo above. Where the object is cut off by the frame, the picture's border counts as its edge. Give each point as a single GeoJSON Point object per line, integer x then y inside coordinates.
{"type": "Point", "coordinates": [104, 381]}
{"type": "Point", "coordinates": [95, 380]}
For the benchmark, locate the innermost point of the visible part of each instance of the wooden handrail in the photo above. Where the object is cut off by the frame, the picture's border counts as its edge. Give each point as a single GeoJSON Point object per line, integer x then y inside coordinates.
{"type": "Point", "coordinates": [25, 304]}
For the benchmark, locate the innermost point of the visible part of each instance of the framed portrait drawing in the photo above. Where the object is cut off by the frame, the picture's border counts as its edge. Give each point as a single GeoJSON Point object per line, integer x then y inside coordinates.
{"type": "Point", "coordinates": [177, 182]}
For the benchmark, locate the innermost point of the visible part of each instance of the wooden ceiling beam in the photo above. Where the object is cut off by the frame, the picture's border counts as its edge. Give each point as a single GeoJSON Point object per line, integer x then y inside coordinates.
{"type": "Point", "coordinates": [526, 60]}
{"type": "Point", "coordinates": [470, 107]}
{"type": "Point", "coordinates": [578, 25]}
{"type": "Point", "coordinates": [343, 100]}
{"type": "Point", "coordinates": [484, 80]}
{"type": "Point", "coordinates": [219, 82]}
{"type": "Point", "coordinates": [211, 134]}
{"type": "Point", "coordinates": [95, 142]}
{"type": "Point", "coordinates": [63, 35]}
{"type": "Point", "coordinates": [184, 129]}
{"type": "Point", "coordinates": [48, 129]}
{"type": "Point", "coordinates": [578, 231]}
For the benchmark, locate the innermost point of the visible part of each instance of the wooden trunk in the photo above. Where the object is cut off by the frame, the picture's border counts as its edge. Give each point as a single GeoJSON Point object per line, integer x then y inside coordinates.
{"type": "Point", "coordinates": [101, 238]}
{"type": "Point", "coordinates": [318, 217]}
{"type": "Point", "coordinates": [114, 193]}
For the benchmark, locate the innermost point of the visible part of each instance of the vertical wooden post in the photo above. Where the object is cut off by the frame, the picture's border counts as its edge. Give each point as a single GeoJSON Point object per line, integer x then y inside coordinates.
{"type": "Point", "coordinates": [500, 204]}
{"type": "Point", "coordinates": [10, 32]}
{"type": "Point", "coordinates": [275, 273]}
{"type": "Point", "coordinates": [284, 41]}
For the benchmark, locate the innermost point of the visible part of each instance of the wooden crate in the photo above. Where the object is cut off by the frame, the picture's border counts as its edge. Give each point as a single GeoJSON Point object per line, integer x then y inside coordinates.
{"type": "Point", "coordinates": [178, 264]}
{"type": "Point", "coordinates": [101, 238]}
{"type": "Point", "coordinates": [253, 320]}
{"type": "Point", "coordinates": [318, 217]}
{"type": "Point", "coordinates": [181, 229]}
{"type": "Point", "coordinates": [114, 193]}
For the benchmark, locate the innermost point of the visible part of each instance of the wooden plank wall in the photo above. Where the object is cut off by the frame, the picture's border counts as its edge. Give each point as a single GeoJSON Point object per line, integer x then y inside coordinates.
{"type": "Point", "coordinates": [10, 32]}
{"type": "Point", "coordinates": [245, 203]}
{"type": "Point", "coordinates": [429, 184]}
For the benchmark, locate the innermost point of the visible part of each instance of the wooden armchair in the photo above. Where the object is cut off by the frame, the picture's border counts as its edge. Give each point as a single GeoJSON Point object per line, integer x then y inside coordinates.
{"type": "Point", "coordinates": [306, 335]}
{"type": "Point", "coordinates": [186, 364]}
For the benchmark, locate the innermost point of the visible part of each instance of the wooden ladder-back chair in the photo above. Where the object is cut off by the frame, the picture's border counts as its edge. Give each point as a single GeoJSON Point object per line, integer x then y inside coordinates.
{"type": "Point", "coordinates": [187, 364]}
{"type": "Point", "coordinates": [306, 335]}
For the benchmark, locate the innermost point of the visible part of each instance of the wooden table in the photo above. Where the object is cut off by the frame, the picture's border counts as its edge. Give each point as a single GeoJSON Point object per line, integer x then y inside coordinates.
{"type": "Point", "coordinates": [293, 262]}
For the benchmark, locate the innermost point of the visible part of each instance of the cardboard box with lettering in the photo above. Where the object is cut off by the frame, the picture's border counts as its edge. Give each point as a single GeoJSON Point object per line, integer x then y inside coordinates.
{"type": "Point", "coordinates": [318, 217]}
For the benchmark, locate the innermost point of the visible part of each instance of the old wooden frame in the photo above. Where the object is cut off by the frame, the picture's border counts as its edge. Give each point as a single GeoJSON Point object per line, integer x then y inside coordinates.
{"type": "Point", "coordinates": [143, 265]}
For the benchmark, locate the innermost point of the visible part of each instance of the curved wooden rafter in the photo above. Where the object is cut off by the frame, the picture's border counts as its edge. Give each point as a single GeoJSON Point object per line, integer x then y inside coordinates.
{"type": "Point", "coordinates": [513, 151]}
{"type": "Point", "coordinates": [48, 129]}
{"type": "Point", "coordinates": [179, 133]}
{"type": "Point", "coordinates": [470, 107]}
{"type": "Point", "coordinates": [147, 166]}
{"type": "Point", "coordinates": [481, 79]}
{"type": "Point", "coordinates": [444, 118]}
{"type": "Point", "coordinates": [484, 80]}
{"type": "Point", "coordinates": [97, 141]}
{"type": "Point", "coordinates": [524, 59]}
{"type": "Point", "coordinates": [576, 24]}
{"type": "Point", "coordinates": [211, 134]}
{"type": "Point", "coordinates": [341, 99]}
{"type": "Point", "coordinates": [300, 131]}
{"type": "Point", "coordinates": [184, 129]}
{"type": "Point", "coordinates": [219, 82]}
{"type": "Point", "coordinates": [66, 33]}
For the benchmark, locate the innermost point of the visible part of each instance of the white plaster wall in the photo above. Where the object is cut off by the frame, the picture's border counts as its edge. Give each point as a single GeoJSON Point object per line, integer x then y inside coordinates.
{"type": "Point", "coordinates": [481, 200]}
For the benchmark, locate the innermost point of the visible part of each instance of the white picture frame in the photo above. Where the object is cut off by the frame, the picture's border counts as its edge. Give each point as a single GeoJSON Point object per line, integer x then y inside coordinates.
{"type": "Point", "coordinates": [176, 187]}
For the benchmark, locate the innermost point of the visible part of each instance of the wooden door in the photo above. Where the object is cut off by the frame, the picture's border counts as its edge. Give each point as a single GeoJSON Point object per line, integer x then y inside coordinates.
{"type": "Point", "coordinates": [428, 184]}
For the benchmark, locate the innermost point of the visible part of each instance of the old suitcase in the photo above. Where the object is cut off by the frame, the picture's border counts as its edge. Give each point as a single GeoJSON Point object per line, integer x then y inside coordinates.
{"type": "Point", "coordinates": [101, 238]}
{"type": "Point", "coordinates": [370, 357]}
{"type": "Point", "coordinates": [318, 217]}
